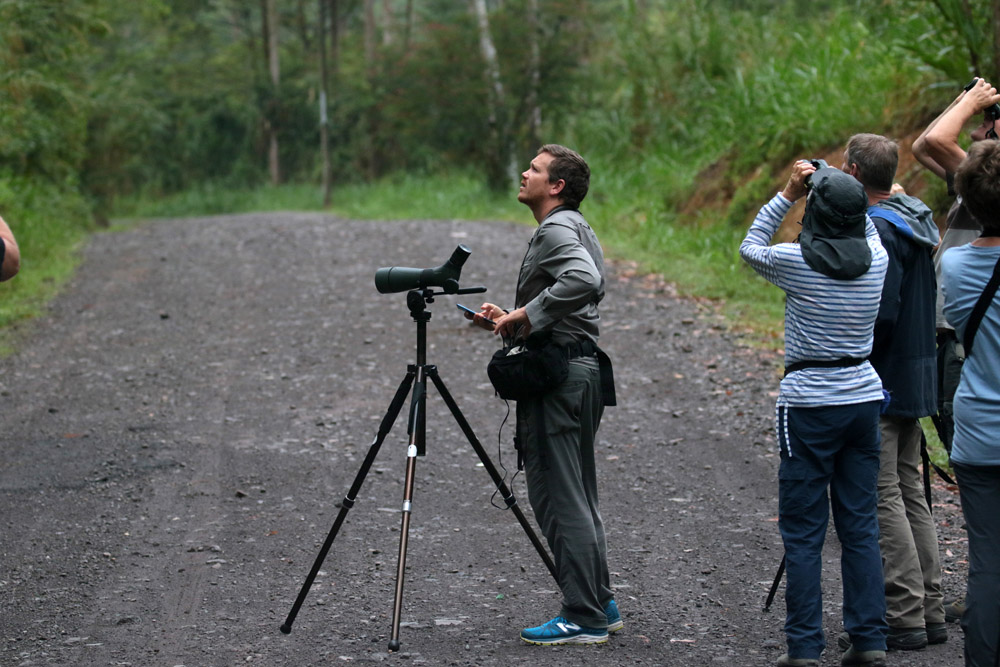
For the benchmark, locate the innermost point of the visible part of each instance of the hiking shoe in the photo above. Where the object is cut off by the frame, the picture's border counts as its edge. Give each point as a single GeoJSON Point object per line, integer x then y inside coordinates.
{"type": "Point", "coordinates": [937, 633]}
{"type": "Point", "coordinates": [906, 639]}
{"type": "Point", "coordinates": [844, 641]}
{"type": "Point", "coordinates": [785, 661]}
{"type": "Point", "coordinates": [869, 658]}
{"type": "Point", "coordinates": [561, 631]}
{"type": "Point", "coordinates": [614, 616]}
{"type": "Point", "coordinates": [954, 609]}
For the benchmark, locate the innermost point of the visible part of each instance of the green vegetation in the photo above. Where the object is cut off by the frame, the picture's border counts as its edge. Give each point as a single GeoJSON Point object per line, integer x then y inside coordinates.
{"type": "Point", "coordinates": [935, 449]}
{"type": "Point", "coordinates": [49, 226]}
{"type": "Point", "coordinates": [690, 113]}
{"type": "Point", "coordinates": [400, 196]}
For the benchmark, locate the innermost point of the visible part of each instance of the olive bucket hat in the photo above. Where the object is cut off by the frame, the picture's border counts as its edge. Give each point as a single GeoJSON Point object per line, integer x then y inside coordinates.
{"type": "Point", "coordinates": [833, 229]}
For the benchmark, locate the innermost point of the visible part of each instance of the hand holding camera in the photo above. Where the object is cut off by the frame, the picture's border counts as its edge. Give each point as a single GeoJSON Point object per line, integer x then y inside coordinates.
{"type": "Point", "coordinates": [799, 180]}
{"type": "Point", "coordinates": [984, 97]}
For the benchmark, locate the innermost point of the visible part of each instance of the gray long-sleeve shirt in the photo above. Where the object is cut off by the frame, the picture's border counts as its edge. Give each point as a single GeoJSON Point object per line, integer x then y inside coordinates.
{"type": "Point", "coordinates": [562, 278]}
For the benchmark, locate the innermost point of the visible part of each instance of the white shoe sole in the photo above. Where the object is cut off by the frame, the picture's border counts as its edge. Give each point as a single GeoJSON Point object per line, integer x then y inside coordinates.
{"type": "Point", "coordinates": [576, 639]}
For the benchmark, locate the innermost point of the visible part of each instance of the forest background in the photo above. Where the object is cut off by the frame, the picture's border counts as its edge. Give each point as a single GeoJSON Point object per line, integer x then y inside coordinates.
{"type": "Point", "coordinates": [689, 112]}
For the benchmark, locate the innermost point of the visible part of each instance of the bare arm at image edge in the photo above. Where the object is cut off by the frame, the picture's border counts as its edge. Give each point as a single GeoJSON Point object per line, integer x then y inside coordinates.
{"type": "Point", "coordinates": [941, 139]}
{"type": "Point", "coordinates": [10, 255]}
{"type": "Point", "coordinates": [922, 152]}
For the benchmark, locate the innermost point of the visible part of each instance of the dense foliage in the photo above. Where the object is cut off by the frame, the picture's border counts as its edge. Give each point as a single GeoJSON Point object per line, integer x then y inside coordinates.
{"type": "Point", "coordinates": [101, 99]}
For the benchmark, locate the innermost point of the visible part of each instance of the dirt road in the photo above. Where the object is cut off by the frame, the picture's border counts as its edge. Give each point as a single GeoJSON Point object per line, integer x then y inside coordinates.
{"type": "Point", "coordinates": [180, 428]}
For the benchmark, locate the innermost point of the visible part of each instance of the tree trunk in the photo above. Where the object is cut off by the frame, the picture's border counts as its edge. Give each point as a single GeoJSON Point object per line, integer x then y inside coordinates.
{"type": "Point", "coordinates": [408, 25]}
{"type": "Point", "coordinates": [371, 122]}
{"type": "Point", "coordinates": [335, 41]}
{"type": "Point", "coordinates": [370, 35]}
{"type": "Point", "coordinates": [534, 92]}
{"type": "Point", "coordinates": [387, 23]}
{"type": "Point", "coordinates": [265, 29]}
{"type": "Point", "coordinates": [324, 129]}
{"type": "Point", "coordinates": [270, 19]}
{"type": "Point", "coordinates": [303, 26]}
{"type": "Point", "coordinates": [503, 154]}
{"type": "Point", "coordinates": [996, 41]}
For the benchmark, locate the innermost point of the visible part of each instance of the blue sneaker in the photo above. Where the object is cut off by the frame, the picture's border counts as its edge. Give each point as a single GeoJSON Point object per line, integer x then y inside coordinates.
{"type": "Point", "coordinates": [561, 631]}
{"type": "Point", "coordinates": [614, 616]}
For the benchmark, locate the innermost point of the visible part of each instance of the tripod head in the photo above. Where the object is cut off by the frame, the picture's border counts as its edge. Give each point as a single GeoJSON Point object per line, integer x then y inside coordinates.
{"type": "Point", "coordinates": [417, 300]}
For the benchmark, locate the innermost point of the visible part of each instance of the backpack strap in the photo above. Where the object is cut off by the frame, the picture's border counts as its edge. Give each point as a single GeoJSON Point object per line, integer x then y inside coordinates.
{"type": "Point", "coordinates": [985, 299]}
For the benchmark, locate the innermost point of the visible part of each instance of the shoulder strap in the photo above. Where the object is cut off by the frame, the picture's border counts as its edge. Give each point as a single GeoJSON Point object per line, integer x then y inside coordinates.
{"type": "Point", "coordinates": [985, 299]}
{"type": "Point", "coordinates": [893, 218]}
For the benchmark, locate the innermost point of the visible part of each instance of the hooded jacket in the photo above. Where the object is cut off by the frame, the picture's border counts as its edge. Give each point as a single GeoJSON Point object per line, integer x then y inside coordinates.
{"type": "Point", "coordinates": [904, 352]}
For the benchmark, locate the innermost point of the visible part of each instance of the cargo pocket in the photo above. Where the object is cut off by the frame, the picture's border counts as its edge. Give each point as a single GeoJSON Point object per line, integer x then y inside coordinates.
{"type": "Point", "coordinates": [563, 408]}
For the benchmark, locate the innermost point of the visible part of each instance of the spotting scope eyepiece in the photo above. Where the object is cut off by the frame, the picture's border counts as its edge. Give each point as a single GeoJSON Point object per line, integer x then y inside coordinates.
{"type": "Point", "coordinates": [391, 279]}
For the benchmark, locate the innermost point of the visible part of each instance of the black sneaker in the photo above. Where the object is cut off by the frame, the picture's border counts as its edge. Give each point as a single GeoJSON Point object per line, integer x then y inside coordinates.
{"type": "Point", "coordinates": [906, 639]}
{"type": "Point", "coordinates": [868, 658]}
{"type": "Point", "coordinates": [937, 633]}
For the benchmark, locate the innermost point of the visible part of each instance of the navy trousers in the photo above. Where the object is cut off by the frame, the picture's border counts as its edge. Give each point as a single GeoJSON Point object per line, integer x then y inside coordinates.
{"type": "Point", "coordinates": [833, 448]}
{"type": "Point", "coordinates": [979, 490]}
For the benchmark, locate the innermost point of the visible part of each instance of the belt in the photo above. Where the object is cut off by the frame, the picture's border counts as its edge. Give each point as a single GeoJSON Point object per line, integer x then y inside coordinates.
{"type": "Point", "coordinates": [581, 348]}
{"type": "Point", "coordinates": [843, 362]}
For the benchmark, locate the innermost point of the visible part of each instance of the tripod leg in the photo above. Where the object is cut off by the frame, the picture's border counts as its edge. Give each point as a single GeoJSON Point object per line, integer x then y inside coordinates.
{"type": "Point", "coordinates": [387, 421]}
{"type": "Point", "coordinates": [508, 496]}
{"type": "Point", "coordinates": [416, 430]}
{"type": "Point", "coordinates": [774, 586]}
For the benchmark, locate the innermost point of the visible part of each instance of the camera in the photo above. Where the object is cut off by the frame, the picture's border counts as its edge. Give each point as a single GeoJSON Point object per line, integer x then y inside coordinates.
{"type": "Point", "coordinates": [819, 164]}
{"type": "Point", "coordinates": [991, 113]}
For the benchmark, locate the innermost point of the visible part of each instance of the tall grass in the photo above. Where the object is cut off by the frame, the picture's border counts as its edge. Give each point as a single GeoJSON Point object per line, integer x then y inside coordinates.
{"type": "Point", "coordinates": [695, 110]}
{"type": "Point", "coordinates": [457, 195]}
{"type": "Point", "coordinates": [212, 199]}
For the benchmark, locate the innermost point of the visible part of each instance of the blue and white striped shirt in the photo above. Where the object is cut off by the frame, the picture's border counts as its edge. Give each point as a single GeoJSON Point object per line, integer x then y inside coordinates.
{"type": "Point", "coordinates": [825, 318]}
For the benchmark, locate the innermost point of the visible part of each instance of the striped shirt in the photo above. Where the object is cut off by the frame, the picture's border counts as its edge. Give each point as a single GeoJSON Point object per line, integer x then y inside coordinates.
{"type": "Point", "coordinates": [825, 318]}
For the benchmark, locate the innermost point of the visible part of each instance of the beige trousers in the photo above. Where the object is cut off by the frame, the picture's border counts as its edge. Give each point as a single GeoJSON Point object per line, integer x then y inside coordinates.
{"type": "Point", "coordinates": [907, 536]}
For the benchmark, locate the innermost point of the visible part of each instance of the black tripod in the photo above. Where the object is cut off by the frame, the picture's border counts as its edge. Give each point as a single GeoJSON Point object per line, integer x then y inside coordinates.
{"type": "Point", "coordinates": [416, 377]}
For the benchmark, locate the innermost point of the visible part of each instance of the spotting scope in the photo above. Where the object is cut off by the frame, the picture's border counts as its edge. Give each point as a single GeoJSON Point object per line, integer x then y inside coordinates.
{"type": "Point", "coordinates": [390, 279]}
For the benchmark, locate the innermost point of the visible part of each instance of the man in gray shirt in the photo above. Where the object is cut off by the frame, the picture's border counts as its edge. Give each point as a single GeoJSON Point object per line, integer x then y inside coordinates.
{"type": "Point", "coordinates": [560, 285]}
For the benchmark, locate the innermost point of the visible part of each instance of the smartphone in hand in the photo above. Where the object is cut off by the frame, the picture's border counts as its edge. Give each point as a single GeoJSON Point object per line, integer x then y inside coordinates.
{"type": "Point", "coordinates": [474, 312]}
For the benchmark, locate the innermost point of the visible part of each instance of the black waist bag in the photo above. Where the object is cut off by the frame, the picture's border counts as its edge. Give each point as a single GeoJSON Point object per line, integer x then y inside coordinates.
{"type": "Point", "coordinates": [528, 370]}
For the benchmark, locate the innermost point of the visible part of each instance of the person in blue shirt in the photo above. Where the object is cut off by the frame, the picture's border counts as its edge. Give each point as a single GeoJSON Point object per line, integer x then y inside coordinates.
{"type": "Point", "coordinates": [975, 454]}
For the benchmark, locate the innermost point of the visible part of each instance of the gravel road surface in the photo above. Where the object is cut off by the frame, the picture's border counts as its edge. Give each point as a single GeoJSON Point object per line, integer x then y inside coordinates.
{"type": "Point", "coordinates": [180, 428]}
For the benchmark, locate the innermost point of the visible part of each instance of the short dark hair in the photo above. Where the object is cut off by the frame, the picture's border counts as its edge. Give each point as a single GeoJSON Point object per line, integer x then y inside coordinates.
{"type": "Point", "coordinates": [977, 181]}
{"type": "Point", "coordinates": [877, 158]}
{"type": "Point", "coordinates": [572, 169]}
